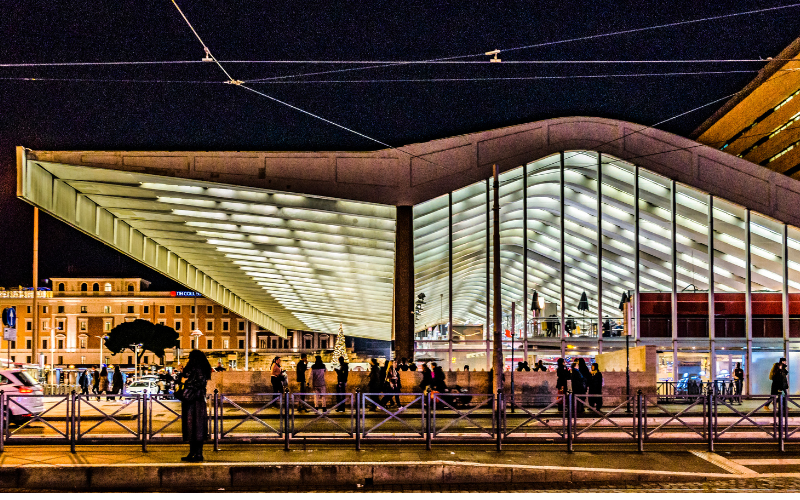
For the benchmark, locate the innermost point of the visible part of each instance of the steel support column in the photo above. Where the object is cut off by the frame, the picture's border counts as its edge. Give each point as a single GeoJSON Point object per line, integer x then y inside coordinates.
{"type": "Point", "coordinates": [636, 258]}
{"type": "Point", "coordinates": [563, 266]}
{"type": "Point", "coordinates": [599, 253]}
{"type": "Point", "coordinates": [403, 328]}
{"type": "Point", "coordinates": [711, 325]}
{"type": "Point", "coordinates": [674, 292]}
{"type": "Point", "coordinates": [450, 280]}
{"type": "Point", "coordinates": [525, 262]}
{"type": "Point", "coordinates": [748, 301]}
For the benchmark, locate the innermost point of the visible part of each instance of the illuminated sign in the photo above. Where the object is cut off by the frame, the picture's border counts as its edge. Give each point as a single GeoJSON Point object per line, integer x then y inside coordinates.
{"type": "Point", "coordinates": [186, 294]}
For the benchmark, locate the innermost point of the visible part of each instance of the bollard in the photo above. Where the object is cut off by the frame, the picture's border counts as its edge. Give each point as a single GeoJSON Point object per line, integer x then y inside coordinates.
{"type": "Point", "coordinates": [358, 419]}
{"type": "Point", "coordinates": [640, 420]}
{"type": "Point", "coordinates": [428, 431]}
{"type": "Point", "coordinates": [144, 418]}
{"type": "Point", "coordinates": [287, 434]}
{"type": "Point", "coordinates": [216, 419]}
{"type": "Point", "coordinates": [498, 419]}
{"type": "Point", "coordinates": [782, 418]}
{"type": "Point", "coordinates": [568, 405]}
{"type": "Point", "coordinates": [71, 420]}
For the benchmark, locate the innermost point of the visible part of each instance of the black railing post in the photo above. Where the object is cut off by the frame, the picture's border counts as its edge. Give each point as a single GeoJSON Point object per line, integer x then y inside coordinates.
{"type": "Point", "coordinates": [640, 419]}
{"type": "Point", "coordinates": [781, 422]}
{"type": "Point", "coordinates": [216, 419]}
{"type": "Point", "coordinates": [287, 429]}
{"type": "Point", "coordinates": [428, 431]}
{"type": "Point", "coordinates": [568, 404]}
{"type": "Point", "coordinates": [71, 420]}
{"type": "Point", "coordinates": [358, 419]}
{"type": "Point", "coordinates": [2, 420]}
{"type": "Point", "coordinates": [499, 419]}
{"type": "Point", "coordinates": [143, 402]}
{"type": "Point", "coordinates": [712, 417]}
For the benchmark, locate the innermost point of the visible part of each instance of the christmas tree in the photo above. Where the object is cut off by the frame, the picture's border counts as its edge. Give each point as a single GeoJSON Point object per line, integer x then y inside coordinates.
{"type": "Point", "coordinates": [340, 349]}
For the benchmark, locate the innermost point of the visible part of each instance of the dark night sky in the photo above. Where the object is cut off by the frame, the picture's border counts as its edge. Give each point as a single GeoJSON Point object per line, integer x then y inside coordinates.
{"type": "Point", "coordinates": [212, 116]}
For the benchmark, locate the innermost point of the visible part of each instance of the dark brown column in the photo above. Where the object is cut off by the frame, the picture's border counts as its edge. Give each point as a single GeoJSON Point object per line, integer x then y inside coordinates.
{"type": "Point", "coordinates": [404, 283]}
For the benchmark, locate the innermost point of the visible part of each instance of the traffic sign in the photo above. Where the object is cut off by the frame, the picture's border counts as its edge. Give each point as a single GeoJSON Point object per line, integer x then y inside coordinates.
{"type": "Point", "coordinates": [10, 317]}
{"type": "Point", "coordinates": [10, 334]}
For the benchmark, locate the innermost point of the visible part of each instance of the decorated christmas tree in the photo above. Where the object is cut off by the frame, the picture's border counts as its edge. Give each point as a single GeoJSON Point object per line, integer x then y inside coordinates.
{"type": "Point", "coordinates": [340, 349]}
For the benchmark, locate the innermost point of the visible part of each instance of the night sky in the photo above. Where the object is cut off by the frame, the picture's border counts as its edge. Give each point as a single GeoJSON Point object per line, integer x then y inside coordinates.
{"type": "Point", "coordinates": [186, 107]}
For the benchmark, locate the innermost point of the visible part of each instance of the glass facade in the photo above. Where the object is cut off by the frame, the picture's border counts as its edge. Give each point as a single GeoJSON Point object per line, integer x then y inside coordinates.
{"type": "Point", "coordinates": [580, 230]}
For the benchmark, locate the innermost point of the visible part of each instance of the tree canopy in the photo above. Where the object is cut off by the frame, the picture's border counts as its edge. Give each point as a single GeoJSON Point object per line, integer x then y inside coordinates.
{"type": "Point", "coordinates": [153, 337]}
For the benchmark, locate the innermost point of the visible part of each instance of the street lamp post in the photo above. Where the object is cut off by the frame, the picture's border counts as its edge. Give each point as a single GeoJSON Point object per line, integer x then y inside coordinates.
{"type": "Point", "coordinates": [101, 337]}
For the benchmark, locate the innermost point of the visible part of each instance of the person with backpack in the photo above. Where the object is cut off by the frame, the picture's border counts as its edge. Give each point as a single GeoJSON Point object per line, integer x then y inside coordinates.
{"type": "Point", "coordinates": [84, 382]}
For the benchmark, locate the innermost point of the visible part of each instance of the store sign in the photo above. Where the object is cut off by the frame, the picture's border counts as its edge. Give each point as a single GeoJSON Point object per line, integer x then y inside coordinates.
{"type": "Point", "coordinates": [186, 294]}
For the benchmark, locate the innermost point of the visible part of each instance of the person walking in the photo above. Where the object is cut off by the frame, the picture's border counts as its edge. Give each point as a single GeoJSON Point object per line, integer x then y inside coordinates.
{"type": "Point", "coordinates": [439, 384]}
{"type": "Point", "coordinates": [275, 376]}
{"type": "Point", "coordinates": [374, 385]}
{"type": "Point", "coordinates": [780, 379]}
{"type": "Point", "coordinates": [194, 415]}
{"type": "Point", "coordinates": [318, 381]}
{"type": "Point", "coordinates": [103, 389]}
{"type": "Point", "coordinates": [427, 378]}
{"type": "Point", "coordinates": [116, 381]}
{"type": "Point", "coordinates": [389, 382]}
{"type": "Point", "coordinates": [302, 367]}
{"type": "Point", "coordinates": [595, 387]}
{"type": "Point", "coordinates": [96, 382]}
{"type": "Point", "coordinates": [341, 383]}
{"type": "Point", "coordinates": [83, 380]}
{"type": "Point", "coordinates": [738, 380]}
{"type": "Point", "coordinates": [562, 376]}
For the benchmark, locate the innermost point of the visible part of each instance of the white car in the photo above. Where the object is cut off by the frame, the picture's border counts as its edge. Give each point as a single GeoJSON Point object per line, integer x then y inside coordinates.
{"type": "Point", "coordinates": [17, 385]}
{"type": "Point", "coordinates": [143, 387]}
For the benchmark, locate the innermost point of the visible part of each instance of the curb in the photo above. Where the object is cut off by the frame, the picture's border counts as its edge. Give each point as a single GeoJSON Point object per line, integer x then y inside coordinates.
{"type": "Point", "coordinates": [240, 476]}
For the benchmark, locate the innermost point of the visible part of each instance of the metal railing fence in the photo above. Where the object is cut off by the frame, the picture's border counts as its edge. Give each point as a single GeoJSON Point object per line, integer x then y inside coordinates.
{"type": "Point", "coordinates": [428, 417]}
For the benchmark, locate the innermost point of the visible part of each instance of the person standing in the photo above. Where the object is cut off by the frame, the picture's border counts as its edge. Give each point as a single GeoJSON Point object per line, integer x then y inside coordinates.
{"type": "Point", "coordinates": [389, 383]}
{"type": "Point", "coordinates": [318, 381]}
{"type": "Point", "coordinates": [194, 415]}
{"type": "Point", "coordinates": [275, 376]}
{"type": "Point", "coordinates": [302, 367]}
{"type": "Point", "coordinates": [738, 380]}
{"type": "Point", "coordinates": [412, 367]}
{"type": "Point", "coordinates": [116, 381]}
{"type": "Point", "coordinates": [578, 386]}
{"type": "Point", "coordinates": [596, 387]}
{"type": "Point", "coordinates": [562, 376]}
{"type": "Point", "coordinates": [780, 379]}
{"type": "Point", "coordinates": [427, 378]}
{"type": "Point", "coordinates": [341, 382]}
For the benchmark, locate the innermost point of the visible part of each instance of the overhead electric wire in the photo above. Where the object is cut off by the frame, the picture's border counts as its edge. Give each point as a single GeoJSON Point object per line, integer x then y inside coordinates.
{"type": "Point", "coordinates": [544, 44]}
{"type": "Point", "coordinates": [421, 62]}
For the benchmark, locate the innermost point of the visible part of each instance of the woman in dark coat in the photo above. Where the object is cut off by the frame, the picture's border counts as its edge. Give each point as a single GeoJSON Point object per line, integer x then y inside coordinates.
{"type": "Point", "coordinates": [578, 386]}
{"type": "Point", "coordinates": [116, 381]}
{"type": "Point", "coordinates": [427, 377]}
{"type": "Point", "coordinates": [596, 387]}
{"type": "Point", "coordinates": [585, 373]}
{"type": "Point", "coordinates": [375, 380]}
{"type": "Point", "coordinates": [194, 416]}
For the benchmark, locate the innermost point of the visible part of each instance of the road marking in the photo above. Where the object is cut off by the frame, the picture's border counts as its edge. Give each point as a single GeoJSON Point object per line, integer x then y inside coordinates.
{"type": "Point", "coordinates": [767, 461]}
{"type": "Point", "coordinates": [724, 463]}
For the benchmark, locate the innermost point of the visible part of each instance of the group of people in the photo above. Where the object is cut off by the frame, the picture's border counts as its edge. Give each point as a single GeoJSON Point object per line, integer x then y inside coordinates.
{"type": "Point", "coordinates": [100, 382]}
{"type": "Point", "coordinates": [523, 366]}
{"type": "Point", "coordinates": [583, 381]}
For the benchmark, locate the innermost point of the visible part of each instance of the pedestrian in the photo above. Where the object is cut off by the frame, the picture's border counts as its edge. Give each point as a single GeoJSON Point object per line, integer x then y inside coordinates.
{"type": "Point", "coordinates": [578, 386]}
{"type": "Point", "coordinates": [427, 378]}
{"type": "Point", "coordinates": [374, 386]}
{"type": "Point", "coordinates": [103, 389]}
{"type": "Point", "coordinates": [275, 375]}
{"type": "Point", "coordinates": [596, 387]}
{"type": "Point", "coordinates": [466, 368]}
{"type": "Point", "coordinates": [219, 367]}
{"type": "Point", "coordinates": [402, 366]}
{"type": "Point", "coordinates": [562, 376]}
{"type": "Point", "coordinates": [83, 380]}
{"type": "Point", "coordinates": [520, 366]}
{"type": "Point", "coordinates": [570, 325]}
{"type": "Point", "coordinates": [780, 379]}
{"type": "Point", "coordinates": [526, 366]}
{"type": "Point", "coordinates": [302, 367]}
{"type": "Point", "coordinates": [738, 379]}
{"type": "Point", "coordinates": [412, 367]}
{"type": "Point", "coordinates": [318, 381]}
{"type": "Point", "coordinates": [341, 382]}
{"type": "Point", "coordinates": [194, 416]}
{"type": "Point", "coordinates": [96, 382]}
{"type": "Point", "coordinates": [439, 384]}
{"type": "Point", "coordinates": [389, 382]}
{"type": "Point", "coordinates": [585, 372]}
{"type": "Point", "coordinates": [116, 381]}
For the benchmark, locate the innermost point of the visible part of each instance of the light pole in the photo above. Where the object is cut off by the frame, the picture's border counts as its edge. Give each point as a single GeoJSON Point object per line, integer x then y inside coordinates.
{"type": "Point", "coordinates": [102, 338]}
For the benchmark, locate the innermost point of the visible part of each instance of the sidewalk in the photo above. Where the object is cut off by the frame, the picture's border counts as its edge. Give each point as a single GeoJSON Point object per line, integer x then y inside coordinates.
{"type": "Point", "coordinates": [238, 467]}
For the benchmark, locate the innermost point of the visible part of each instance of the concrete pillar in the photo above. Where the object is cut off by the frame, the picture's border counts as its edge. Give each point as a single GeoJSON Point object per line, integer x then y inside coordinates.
{"type": "Point", "coordinates": [403, 327]}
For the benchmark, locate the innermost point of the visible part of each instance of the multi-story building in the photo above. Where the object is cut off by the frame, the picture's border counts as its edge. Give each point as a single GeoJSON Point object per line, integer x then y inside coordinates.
{"type": "Point", "coordinates": [78, 312]}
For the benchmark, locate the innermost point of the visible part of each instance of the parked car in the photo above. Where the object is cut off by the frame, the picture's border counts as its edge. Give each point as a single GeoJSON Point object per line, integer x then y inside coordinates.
{"type": "Point", "coordinates": [145, 386]}
{"type": "Point", "coordinates": [17, 384]}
